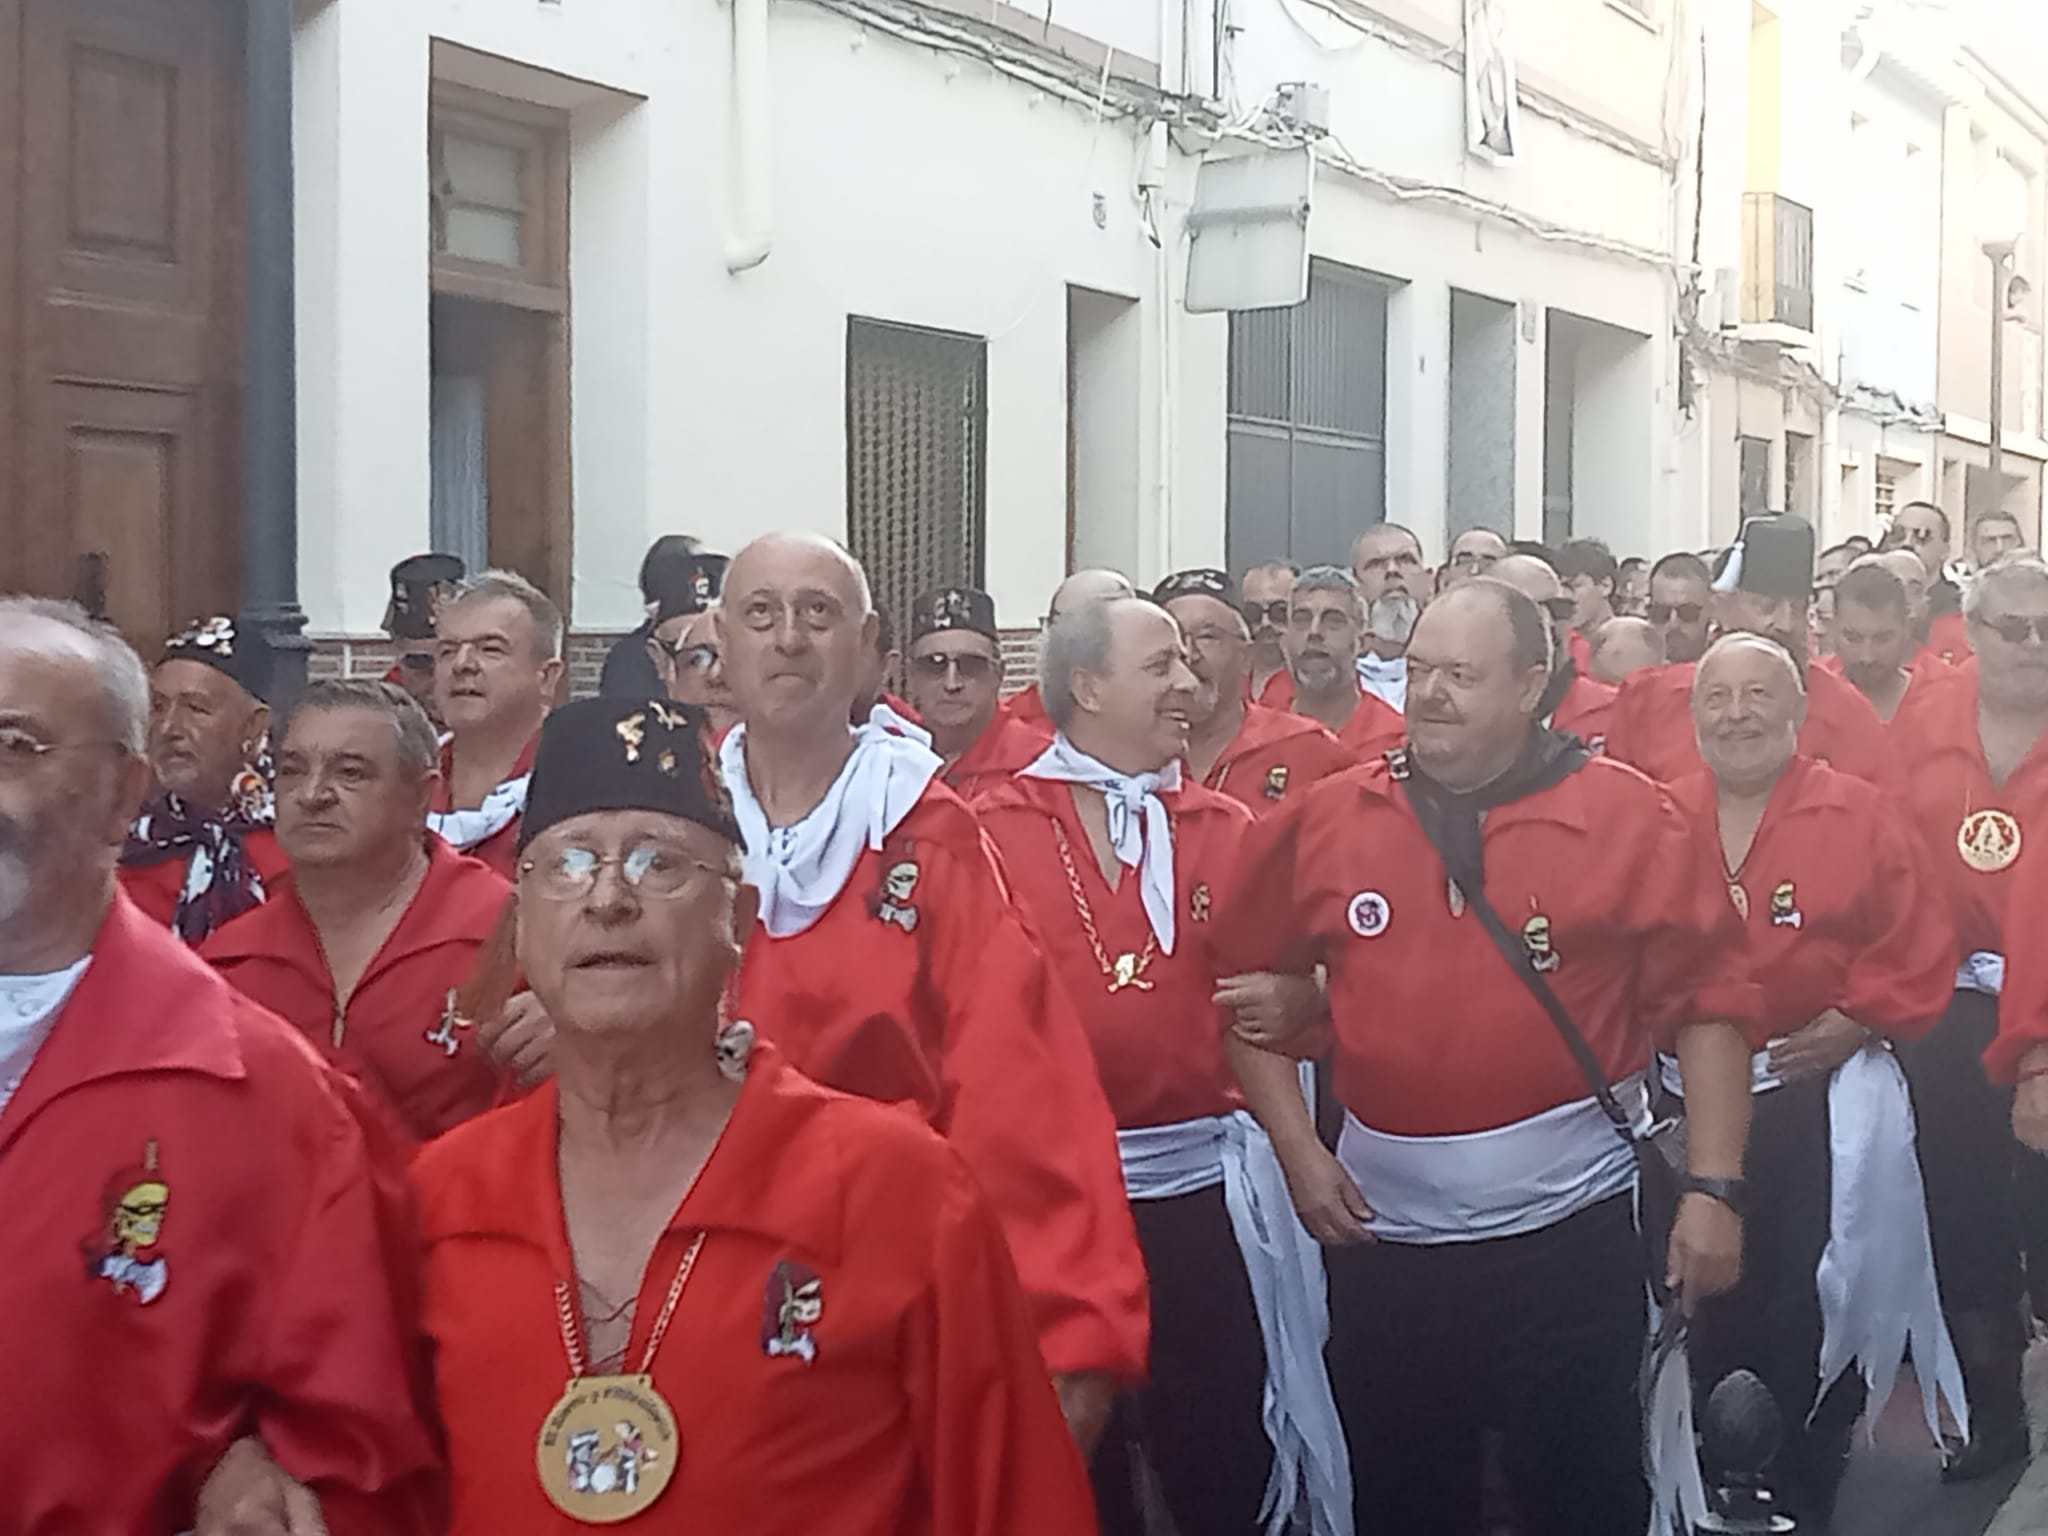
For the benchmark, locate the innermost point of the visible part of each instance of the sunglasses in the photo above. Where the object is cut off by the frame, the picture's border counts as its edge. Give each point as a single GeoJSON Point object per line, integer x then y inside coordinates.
{"type": "Point", "coordinates": [939, 665]}
{"type": "Point", "coordinates": [1274, 614]}
{"type": "Point", "coordinates": [1685, 613]}
{"type": "Point", "coordinates": [2014, 630]}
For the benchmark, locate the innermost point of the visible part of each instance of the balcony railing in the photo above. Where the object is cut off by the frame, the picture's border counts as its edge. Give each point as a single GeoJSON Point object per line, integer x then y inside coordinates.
{"type": "Point", "coordinates": [1777, 247]}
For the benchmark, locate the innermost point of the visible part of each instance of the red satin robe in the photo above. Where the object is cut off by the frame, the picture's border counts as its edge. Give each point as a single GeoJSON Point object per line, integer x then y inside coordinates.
{"type": "Point", "coordinates": [155, 888]}
{"type": "Point", "coordinates": [285, 1304]}
{"type": "Point", "coordinates": [1842, 911]}
{"type": "Point", "coordinates": [1273, 755]}
{"type": "Point", "coordinates": [396, 1034]}
{"type": "Point", "coordinates": [1651, 727]}
{"type": "Point", "coordinates": [501, 849]}
{"type": "Point", "coordinates": [1159, 1048]}
{"type": "Point", "coordinates": [961, 1019]}
{"type": "Point", "coordinates": [1006, 746]}
{"type": "Point", "coordinates": [913, 1404]}
{"type": "Point", "coordinates": [1584, 711]}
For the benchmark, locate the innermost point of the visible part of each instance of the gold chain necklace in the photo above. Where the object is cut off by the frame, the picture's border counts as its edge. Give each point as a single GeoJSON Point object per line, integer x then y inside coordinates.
{"type": "Point", "coordinates": [1129, 970]}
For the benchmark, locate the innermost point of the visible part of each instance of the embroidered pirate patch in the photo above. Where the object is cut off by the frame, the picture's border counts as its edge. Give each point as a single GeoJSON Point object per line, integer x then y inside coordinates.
{"type": "Point", "coordinates": [126, 1251]}
{"type": "Point", "coordinates": [1276, 782]}
{"type": "Point", "coordinates": [891, 904]}
{"type": "Point", "coordinates": [1785, 911]}
{"type": "Point", "coordinates": [794, 1304]}
{"type": "Point", "coordinates": [1536, 941]}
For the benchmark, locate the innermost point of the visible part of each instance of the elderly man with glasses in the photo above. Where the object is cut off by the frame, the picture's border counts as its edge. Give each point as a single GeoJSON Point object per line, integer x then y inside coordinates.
{"type": "Point", "coordinates": [955, 682]}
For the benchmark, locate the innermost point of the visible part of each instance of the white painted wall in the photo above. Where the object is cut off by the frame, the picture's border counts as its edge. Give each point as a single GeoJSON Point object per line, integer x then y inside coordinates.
{"type": "Point", "coordinates": [1889, 207]}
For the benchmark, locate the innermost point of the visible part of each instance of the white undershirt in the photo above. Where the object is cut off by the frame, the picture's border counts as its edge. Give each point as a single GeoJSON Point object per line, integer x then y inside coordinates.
{"type": "Point", "coordinates": [29, 1006]}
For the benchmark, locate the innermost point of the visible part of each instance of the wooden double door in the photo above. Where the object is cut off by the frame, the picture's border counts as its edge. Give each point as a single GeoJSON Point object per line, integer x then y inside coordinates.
{"type": "Point", "coordinates": [121, 239]}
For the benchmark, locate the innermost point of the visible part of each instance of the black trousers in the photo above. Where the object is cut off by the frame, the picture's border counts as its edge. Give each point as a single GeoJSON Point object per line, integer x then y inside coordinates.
{"type": "Point", "coordinates": [1198, 1420]}
{"type": "Point", "coordinates": [1538, 1338]}
{"type": "Point", "coordinates": [1770, 1323]}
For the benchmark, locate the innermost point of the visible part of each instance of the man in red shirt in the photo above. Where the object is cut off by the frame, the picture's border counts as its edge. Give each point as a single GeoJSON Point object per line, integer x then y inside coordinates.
{"type": "Point", "coordinates": [367, 944]}
{"type": "Point", "coordinates": [955, 678]}
{"type": "Point", "coordinates": [1120, 863]}
{"type": "Point", "coordinates": [206, 1230]}
{"type": "Point", "coordinates": [1763, 590]}
{"type": "Point", "coordinates": [1923, 529]}
{"type": "Point", "coordinates": [1872, 630]}
{"type": "Point", "coordinates": [1682, 605]}
{"type": "Point", "coordinates": [497, 668]}
{"type": "Point", "coordinates": [890, 962]}
{"type": "Point", "coordinates": [1592, 579]}
{"type": "Point", "coordinates": [202, 850]}
{"type": "Point", "coordinates": [1325, 634]}
{"type": "Point", "coordinates": [1081, 587]}
{"type": "Point", "coordinates": [1849, 951]}
{"type": "Point", "coordinates": [1266, 590]}
{"type": "Point", "coordinates": [1626, 646]}
{"type": "Point", "coordinates": [1467, 1117]}
{"type": "Point", "coordinates": [1978, 789]}
{"type": "Point", "coordinates": [1574, 701]}
{"type": "Point", "coordinates": [1257, 756]}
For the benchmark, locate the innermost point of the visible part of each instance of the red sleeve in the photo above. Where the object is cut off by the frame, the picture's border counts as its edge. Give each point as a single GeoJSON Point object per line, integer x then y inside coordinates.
{"type": "Point", "coordinates": [1625, 730]}
{"type": "Point", "coordinates": [1024, 1107]}
{"type": "Point", "coordinates": [1695, 966]}
{"type": "Point", "coordinates": [988, 1428]}
{"type": "Point", "coordinates": [1261, 923]}
{"type": "Point", "coordinates": [345, 1376]}
{"type": "Point", "coordinates": [2023, 1006]}
{"type": "Point", "coordinates": [1901, 980]}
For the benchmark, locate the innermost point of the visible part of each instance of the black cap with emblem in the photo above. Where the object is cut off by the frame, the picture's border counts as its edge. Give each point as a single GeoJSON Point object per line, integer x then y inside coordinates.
{"type": "Point", "coordinates": [695, 587]}
{"type": "Point", "coordinates": [1199, 582]}
{"type": "Point", "coordinates": [414, 581]}
{"type": "Point", "coordinates": [949, 608]}
{"type": "Point", "coordinates": [219, 643]}
{"type": "Point", "coordinates": [613, 754]}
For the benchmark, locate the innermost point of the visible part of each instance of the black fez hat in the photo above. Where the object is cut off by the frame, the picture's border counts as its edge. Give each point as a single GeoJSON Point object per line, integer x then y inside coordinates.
{"type": "Point", "coordinates": [945, 608]}
{"type": "Point", "coordinates": [1773, 558]}
{"type": "Point", "coordinates": [414, 581]}
{"type": "Point", "coordinates": [614, 754]}
{"type": "Point", "coordinates": [690, 587]}
{"type": "Point", "coordinates": [221, 643]}
{"type": "Point", "coordinates": [1201, 582]}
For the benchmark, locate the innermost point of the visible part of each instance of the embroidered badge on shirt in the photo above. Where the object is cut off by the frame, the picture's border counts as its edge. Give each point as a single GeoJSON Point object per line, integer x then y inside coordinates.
{"type": "Point", "coordinates": [125, 1251]}
{"type": "Point", "coordinates": [795, 1303]}
{"type": "Point", "coordinates": [1370, 914]}
{"type": "Point", "coordinates": [1785, 911]}
{"type": "Point", "coordinates": [892, 903]}
{"type": "Point", "coordinates": [444, 1033]}
{"type": "Point", "coordinates": [1198, 904]}
{"type": "Point", "coordinates": [1988, 840]}
{"type": "Point", "coordinates": [1276, 782]}
{"type": "Point", "coordinates": [1536, 940]}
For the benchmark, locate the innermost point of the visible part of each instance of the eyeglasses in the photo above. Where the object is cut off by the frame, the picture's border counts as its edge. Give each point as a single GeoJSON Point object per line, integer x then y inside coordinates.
{"type": "Point", "coordinates": [1274, 614]}
{"type": "Point", "coordinates": [1685, 613]}
{"type": "Point", "coordinates": [21, 753]}
{"type": "Point", "coordinates": [1474, 561]}
{"type": "Point", "coordinates": [972, 666]}
{"type": "Point", "coordinates": [654, 870]}
{"type": "Point", "coordinates": [416, 661]}
{"type": "Point", "coordinates": [691, 658]}
{"type": "Point", "coordinates": [1559, 608]}
{"type": "Point", "coordinates": [2014, 629]}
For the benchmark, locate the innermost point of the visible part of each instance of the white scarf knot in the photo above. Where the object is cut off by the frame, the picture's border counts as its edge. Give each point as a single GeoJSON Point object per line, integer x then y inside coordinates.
{"type": "Point", "coordinates": [1139, 828]}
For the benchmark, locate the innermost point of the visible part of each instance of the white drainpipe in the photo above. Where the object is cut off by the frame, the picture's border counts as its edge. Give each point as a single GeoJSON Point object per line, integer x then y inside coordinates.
{"type": "Point", "coordinates": [750, 244]}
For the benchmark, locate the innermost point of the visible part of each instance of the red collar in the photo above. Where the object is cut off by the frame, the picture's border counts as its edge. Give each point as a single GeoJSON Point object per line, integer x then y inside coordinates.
{"type": "Point", "coordinates": [1006, 746]}
{"type": "Point", "coordinates": [444, 797]}
{"type": "Point", "coordinates": [1262, 728]}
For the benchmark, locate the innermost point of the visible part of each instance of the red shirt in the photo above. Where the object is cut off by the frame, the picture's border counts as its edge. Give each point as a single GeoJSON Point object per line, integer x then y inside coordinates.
{"type": "Point", "coordinates": [1949, 638]}
{"type": "Point", "coordinates": [501, 849]}
{"type": "Point", "coordinates": [1581, 646]}
{"type": "Point", "coordinates": [1375, 727]}
{"type": "Point", "coordinates": [916, 1406]}
{"type": "Point", "coordinates": [1863, 932]}
{"type": "Point", "coordinates": [390, 1035]}
{"type": "Point", "coordinates": [961, 1018]}
{"type": "Point", "coordinates": [1277, 694]}
{"type": "Point", "coordinates": [1275, 754]}
{"type": "Point", "coordinates": [1006, 746]}
{"type": "Point", "coordinates": [1651, 727]}
{"type": "Point", "coordinates": [1434, 1033]}
{"type": "Point", "coordinates": [283, 1305]}
{"type": "Point", "coordinates": [1028, 705]}
{"type": "Point", "coordinates": [1159, 1048]}
{"type": "Point", "coordinates": [1585, 709]}
{"type": "Point", "coordinates": [1951, 797]}
{"type": "Point", "coordinates": [155, 888]}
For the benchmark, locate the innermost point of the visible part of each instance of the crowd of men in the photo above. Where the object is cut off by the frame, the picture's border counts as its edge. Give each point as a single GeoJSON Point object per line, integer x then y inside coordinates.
{"type": "Point", "coordinates": [1371, 1049]}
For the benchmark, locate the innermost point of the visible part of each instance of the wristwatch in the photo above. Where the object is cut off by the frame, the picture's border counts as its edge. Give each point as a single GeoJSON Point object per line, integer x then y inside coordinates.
{"type": "Point", "coordinates": [1733, 1193]}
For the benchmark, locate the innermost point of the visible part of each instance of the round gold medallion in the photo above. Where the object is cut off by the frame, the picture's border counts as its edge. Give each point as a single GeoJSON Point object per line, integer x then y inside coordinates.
{"type": "Point", "coordinates": [607, 1449]}
{"type": "Point", "coordinates": [1988, 840]}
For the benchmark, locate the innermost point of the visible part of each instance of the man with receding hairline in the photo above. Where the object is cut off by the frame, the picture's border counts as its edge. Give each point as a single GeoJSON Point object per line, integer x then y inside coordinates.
{"type": "Point", "coordinates": [1473, 1149]}
{"type": "Point", "coordinates": [1626, 646]}
{"type": "Point", "coordinates": [889, 962]}
{"type": "Point", "coordinates": [1575, 701]}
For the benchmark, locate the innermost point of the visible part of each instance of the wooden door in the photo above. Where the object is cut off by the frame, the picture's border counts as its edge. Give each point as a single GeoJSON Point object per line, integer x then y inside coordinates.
{"type": "Point", "coordinates": [120, 154]}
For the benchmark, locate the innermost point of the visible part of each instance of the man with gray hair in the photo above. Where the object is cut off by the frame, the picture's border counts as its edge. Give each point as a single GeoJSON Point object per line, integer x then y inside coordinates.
{"type": "Point", "coordinates": [1325, 636]}
{"type": "Point", "coordinates": [368, 944]}
{"type": "Point", "coordinates": [1083, 587]}
{"type": "Point", "coordinates": [497, 669]}
{"type": "Point", "coordinates": [1387, 563]}
{"type": "Point", "coordinates": [239, 1211]}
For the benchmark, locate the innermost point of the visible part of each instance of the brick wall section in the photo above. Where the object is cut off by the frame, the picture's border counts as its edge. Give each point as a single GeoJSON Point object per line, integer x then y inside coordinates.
{"type": "Point", "coordinates": [1020, 660]}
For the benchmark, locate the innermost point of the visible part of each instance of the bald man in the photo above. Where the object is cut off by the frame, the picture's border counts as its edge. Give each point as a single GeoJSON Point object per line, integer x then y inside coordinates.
{"type": "Point", "coordinates": [1627, 646]}
{"type": "Point", "coordinates": [1846, 951]}
{"type": "Point", "coordinates": [1082, 587]}
{"type": "Point", "coordinates": [1571, 703]}
{"type": "Point", "coordinates": [1386, 562]}
{"type": "Point", "coordinates": [1475, 552]}
{"type": "Point", "coordinates": [896, 967]}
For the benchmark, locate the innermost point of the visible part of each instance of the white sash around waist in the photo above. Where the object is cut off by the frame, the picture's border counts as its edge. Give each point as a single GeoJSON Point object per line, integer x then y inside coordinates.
{"type": "Point", "coordinates": [1499, 1183]}
{"type": "Point", "coordinates": [1983, 972]}
{"type": "Point", "coordinates": [1285, 1267]}
{"type": "Point", "coordinates": [1761, 1078]}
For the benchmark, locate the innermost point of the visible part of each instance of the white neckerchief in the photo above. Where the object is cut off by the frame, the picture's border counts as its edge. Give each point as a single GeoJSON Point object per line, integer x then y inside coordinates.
{"type": "Point", "coordinates": [1139, 828]}
{"type": "Point", "coordinates": [800, 870]}
{"type": "Point", "coordinates": [1385, 678]}
{"type": "Point", "coordinates": [465, 829]}
{"type": "Point", "coordinates": [29, 1006]}
{"type": "Point", "coordinates": [885, 717]}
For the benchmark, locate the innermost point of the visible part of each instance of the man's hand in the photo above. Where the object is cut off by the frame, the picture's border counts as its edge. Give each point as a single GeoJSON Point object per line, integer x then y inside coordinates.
{"type": "Point", "coordinates": [1272, 1010]}
{"type": "Point", "coordinates": [2030, 1112]}
{"type": "Point", "coordinates": [521, 1040]}
{"type": "Point", "coordinates": [1326, 1197]}
{"type": "Point", "coordinates": [1085, 1398]}
{"type": "Point", "coordinates": [1819, 1048]}
{"type": "Point", "coordinates": [1706, 1250]}
{"type": "Point", "coordinates": [248, 1494]}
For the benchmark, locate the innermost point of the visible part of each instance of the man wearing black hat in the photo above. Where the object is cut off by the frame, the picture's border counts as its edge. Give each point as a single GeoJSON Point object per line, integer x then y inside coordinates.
{"type": "Point", "coordinates": [955, 681]}
{"type": "Point", "coordinates": [1257, 756]}
{"type": "Point", "coordinates": [1762, 588]}
{"type": "Point", "coordinates": [418, 586]}
{"type": "Point", "coordinates": [675, 577]}
{"type": "Point", "coordinates": [203, 849]}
